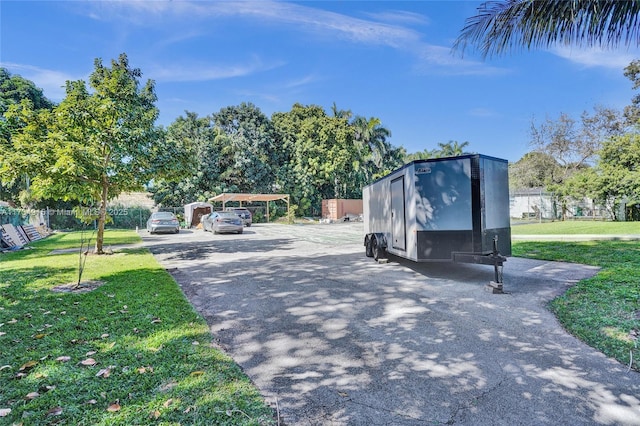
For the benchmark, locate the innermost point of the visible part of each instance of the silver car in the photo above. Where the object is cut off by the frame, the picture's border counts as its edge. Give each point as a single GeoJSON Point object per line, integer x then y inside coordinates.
{"type": "Point", "coordinates": [163, 222]}
{"type": "Point", "coordinates": [244, 214]}
{"type": "Point", "coordinates": [222, 222]}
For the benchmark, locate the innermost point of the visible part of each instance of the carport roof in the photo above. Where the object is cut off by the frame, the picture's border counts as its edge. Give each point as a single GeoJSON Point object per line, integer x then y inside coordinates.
{"type": "Point", "coordinates": [231, 196]}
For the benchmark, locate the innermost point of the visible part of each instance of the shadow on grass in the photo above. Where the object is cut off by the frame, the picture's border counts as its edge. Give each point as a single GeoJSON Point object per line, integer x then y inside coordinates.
{"type": "Point", "coordinates": [140, 329]}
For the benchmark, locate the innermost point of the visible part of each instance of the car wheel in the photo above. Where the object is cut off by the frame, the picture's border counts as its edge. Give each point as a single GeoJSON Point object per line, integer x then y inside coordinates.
{"type": "Point", "coordinates": [240, 231]}
{"type": "Point", "coordinates": [248, 225]}
{"type": "Point", "coordinates": [177, 231]}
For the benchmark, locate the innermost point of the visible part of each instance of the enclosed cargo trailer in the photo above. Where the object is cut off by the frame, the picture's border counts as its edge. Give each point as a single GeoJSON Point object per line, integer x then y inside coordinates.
{"type": "Point", "coordinates": [443, 209]}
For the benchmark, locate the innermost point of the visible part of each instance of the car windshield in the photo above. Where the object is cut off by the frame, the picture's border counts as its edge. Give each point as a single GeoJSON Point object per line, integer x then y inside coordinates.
{"type": "Point", "coordinates": [163, 215]}
{"type": "Point", "coordinates": [227, 215]}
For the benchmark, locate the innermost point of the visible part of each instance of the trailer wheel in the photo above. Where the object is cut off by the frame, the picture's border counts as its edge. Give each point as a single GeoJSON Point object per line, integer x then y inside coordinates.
{"type": "Point", "coordinates": [368, 249]}
{"type": "Point", "coordinates": [378, 251]}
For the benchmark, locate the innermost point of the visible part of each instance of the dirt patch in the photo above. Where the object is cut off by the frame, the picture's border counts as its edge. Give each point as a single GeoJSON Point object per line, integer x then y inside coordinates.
{"type": "Point", "coordinates": [84, 287]}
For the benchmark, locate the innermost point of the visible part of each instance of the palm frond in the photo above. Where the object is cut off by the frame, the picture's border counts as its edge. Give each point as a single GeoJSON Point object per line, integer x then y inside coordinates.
{"type": "Point", "coordinates": [502, 26]}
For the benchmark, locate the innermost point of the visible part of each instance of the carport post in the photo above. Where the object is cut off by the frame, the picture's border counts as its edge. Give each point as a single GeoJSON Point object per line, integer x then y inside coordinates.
{"type": "Point", "coordinates": [267, 212]}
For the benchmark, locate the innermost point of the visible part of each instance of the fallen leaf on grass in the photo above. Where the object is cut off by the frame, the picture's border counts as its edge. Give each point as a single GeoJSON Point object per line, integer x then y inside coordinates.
{"type": "Point", "coordinates": [32, 395]}
{"type": "Point", "coordinates": [63, 358]}
{"type": "Point", "coordinates": [2, 333]}
{"type": "Point", "coordinates": [156, 321]}
{"type": "Point", "coordinates": [39, 336]}
{"type": "Point", "coordinates": [55, 411]}
{"type": "Point", "coordinates": [13, 321]}
{"type": "Point", "coordinates": [92, 401]}
{"type": "Point", "coordinates": [4, 367]}
{"type": "Point", "coordinates": [4, 412]}
{"type": "Point", "coordinates": [168, 386]}
{"type": "Point", "coordinates": [28, 365]}
{"type": "Point", "coordinates": [89, 362]}
{"type": "Point", "coordinates": [91, 353]}
{"type": "Point", "coordinates": [343, 394]}
{"type": "Point", "coordinates": [114, 407]}
{"type": "Point", "coordinates": [168, 402]}
{"type": "Point", "coordinates": [105, 372]}
{"type": "Point", "coordinates": [197, 373]}
{"type": "Point", "coordinates": [154, 415]}
{"type": "Point", "coordinates": [104, 336]}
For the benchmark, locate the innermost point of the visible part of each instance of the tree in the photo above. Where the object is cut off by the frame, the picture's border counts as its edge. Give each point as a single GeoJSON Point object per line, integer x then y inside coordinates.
{"type": "Point", "coordinates": [617, 175]}
{"type": "Point", "coordinates": [574, 146]}
{"type": "Point", "coordinates": [452, 149]}
{"type": "Point", "coordinates": [248, 157]}
{"type": "Point", "coordinates": [449, 149]}
{"type": "Point", "coordinates": [14, 90]}
{"type": "Point", "coordinates": [500, 26]}
{"type": "Point", "coordinates": [195, 139]}
{"type": "Point", "coordinates": [94, 145]}
{"type": "Point", "coordinates": [534, 170]}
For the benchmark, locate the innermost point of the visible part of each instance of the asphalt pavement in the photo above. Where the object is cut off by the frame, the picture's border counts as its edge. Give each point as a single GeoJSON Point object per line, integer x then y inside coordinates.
{"type": "Point", "coordinates": [331, 337]}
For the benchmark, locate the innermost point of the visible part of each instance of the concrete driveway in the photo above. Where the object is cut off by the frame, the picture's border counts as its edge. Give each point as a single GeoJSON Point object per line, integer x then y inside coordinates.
{"type": "Point", "coordinates": [332, 338]}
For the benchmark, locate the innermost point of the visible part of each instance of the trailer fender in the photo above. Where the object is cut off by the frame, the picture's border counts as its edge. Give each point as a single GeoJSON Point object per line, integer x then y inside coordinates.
{"type": "Point", "coordinates": [375, 245]}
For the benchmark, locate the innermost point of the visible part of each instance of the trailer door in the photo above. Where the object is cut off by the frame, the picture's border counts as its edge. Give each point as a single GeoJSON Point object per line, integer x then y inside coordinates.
{"type": "Point", "coordinates": [398, 228]}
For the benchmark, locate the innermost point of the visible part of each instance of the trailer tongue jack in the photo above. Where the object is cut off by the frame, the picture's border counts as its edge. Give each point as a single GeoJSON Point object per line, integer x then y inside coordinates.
{"type": "Point", "coordinates": [495, 259]}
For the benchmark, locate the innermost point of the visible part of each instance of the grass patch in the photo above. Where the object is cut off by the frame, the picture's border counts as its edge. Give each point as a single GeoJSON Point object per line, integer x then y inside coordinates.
{"type": "Point", "coordinates": [576, 227]}
{"type": "Point", "coordinates": [132, 351]}
{"type": "Point", "coordinates": [603, 311]}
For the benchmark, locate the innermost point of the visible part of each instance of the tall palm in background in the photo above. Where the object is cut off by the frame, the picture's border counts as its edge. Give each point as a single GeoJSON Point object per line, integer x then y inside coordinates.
{"type": "Point", "coordinates": [501, 26]}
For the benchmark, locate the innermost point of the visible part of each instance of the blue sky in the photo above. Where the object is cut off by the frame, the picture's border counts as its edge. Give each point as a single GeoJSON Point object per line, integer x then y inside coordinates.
{"type": "Point", "coordinates": [385, 59]}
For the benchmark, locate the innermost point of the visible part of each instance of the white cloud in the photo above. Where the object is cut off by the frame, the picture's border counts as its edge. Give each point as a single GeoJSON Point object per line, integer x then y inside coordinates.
{"type": "Point", "coordinates": [400, 17]}
{"type": "Point", "coordinates": [318, 22]}
{"type": "Point", "coordinates": [439, 59]}
{"type": "Point", "coordinates": [51, 82]}
{"type": "Point", "coordinates": [305, 18]}
{"type": "Point", "coordinates": [596, 57]}
{"type": "Point", "coordinates": [204, 72]}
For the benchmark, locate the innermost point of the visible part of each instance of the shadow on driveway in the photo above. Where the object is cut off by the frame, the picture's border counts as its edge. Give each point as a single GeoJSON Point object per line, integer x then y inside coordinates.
{"type": "Point", "coordinates": [334, 338]}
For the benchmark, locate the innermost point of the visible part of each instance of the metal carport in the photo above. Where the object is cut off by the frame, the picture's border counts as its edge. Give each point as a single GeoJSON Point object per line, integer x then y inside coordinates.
{"type": "Point", "coordinates": [233, 196]}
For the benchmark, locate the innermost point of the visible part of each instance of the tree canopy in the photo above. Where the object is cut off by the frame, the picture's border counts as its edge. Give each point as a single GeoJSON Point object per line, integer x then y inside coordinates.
{"type": "Point", "coordinates": [94, 145]}
{"type": "Point", "coordinates": [16, 93]}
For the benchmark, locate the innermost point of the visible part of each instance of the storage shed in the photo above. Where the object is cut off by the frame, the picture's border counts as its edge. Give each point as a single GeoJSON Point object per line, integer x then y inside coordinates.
{"type": "Point", "coordinates": [194, 211]}
{"type": "Point", "coordinates": [338, 208]}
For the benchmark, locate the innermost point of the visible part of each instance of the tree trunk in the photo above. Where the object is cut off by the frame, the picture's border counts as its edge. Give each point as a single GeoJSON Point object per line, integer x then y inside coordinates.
{"type": "Point", "coordinates": [102, 216]}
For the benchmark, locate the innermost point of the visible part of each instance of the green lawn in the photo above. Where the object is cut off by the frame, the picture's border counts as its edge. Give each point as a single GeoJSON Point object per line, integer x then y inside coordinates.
{"type": "Point", "coordinates": [603, 311]}
{"type": "Point", "coordinates": [576, 227]}
{"type": "Point", "coordinates": [132, 351]}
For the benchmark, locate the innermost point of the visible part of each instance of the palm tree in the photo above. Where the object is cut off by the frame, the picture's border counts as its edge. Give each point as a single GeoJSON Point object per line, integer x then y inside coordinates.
{"type": "Point", "coordinates": [500, 26]}
{"type": "Point", "coordinates": [452, 149]}
{"type": "Point", "coordinates": [371, 134]}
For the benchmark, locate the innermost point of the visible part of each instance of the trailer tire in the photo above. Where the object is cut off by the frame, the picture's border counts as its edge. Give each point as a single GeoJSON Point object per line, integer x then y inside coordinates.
{"type": "Point", "coordinates": [368, 249]}
{"type": "Point", "coordinates": [378, 251]}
